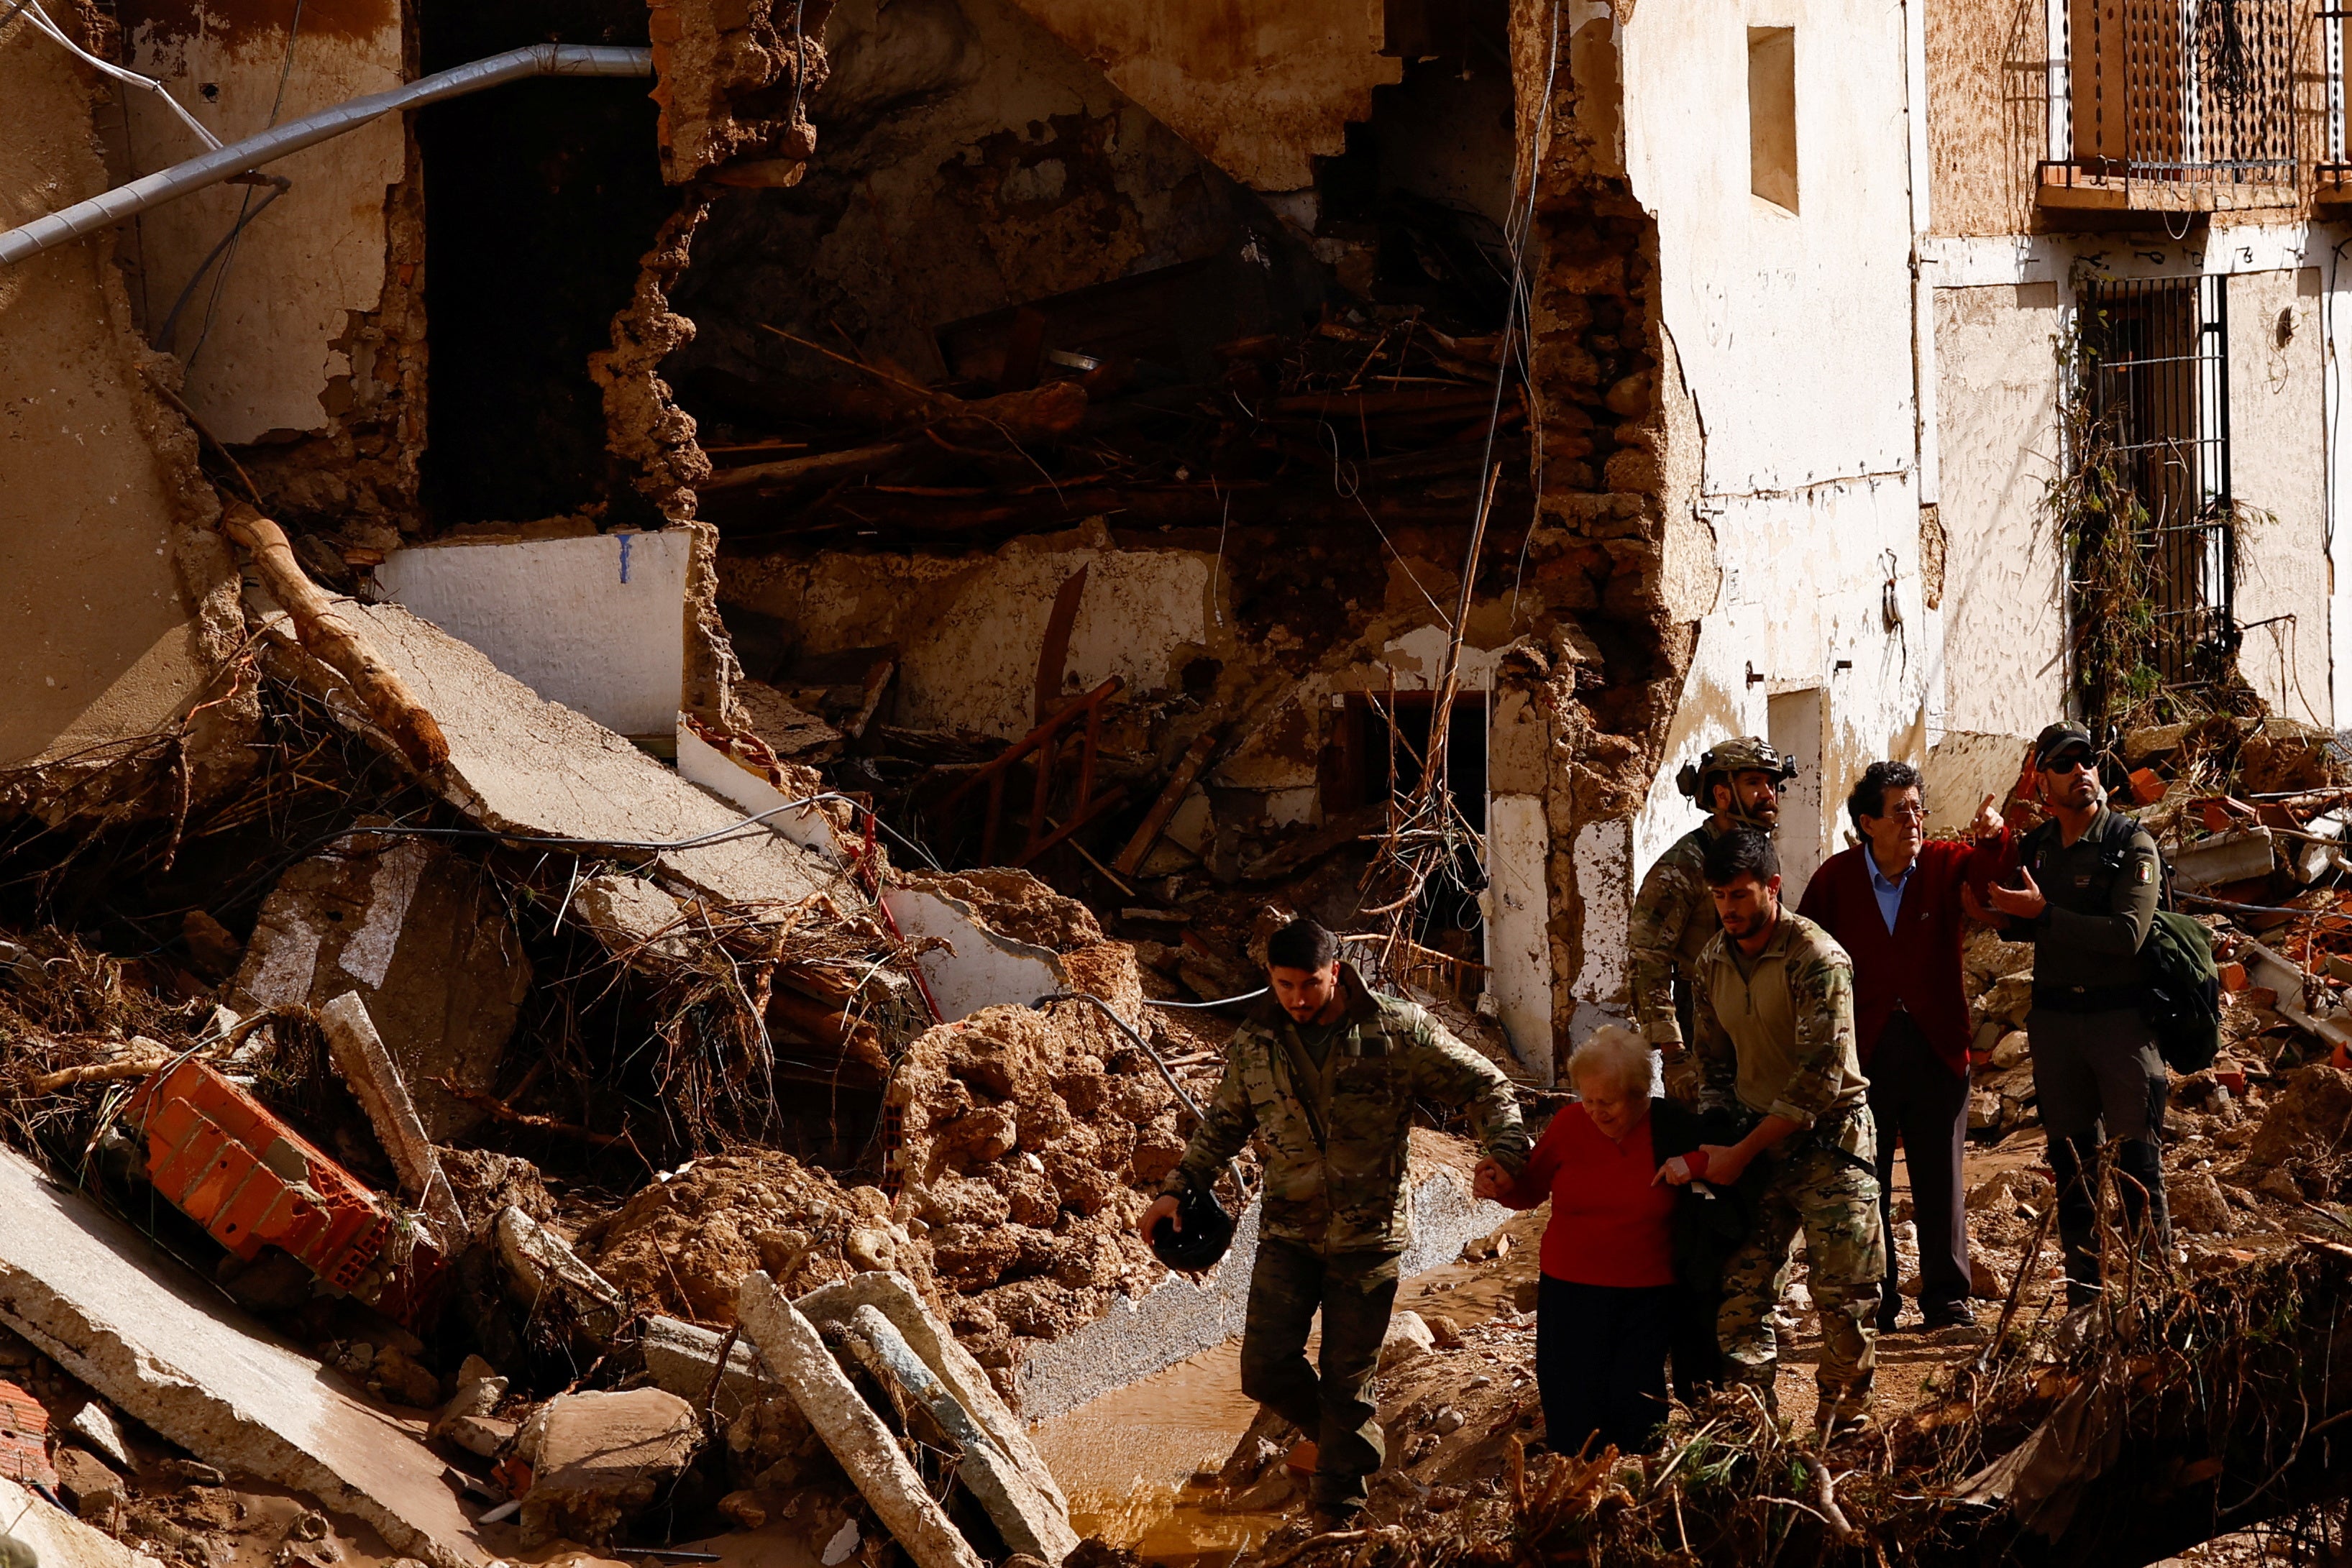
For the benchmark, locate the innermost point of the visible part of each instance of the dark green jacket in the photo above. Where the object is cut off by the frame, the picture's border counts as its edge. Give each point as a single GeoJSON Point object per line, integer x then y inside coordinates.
{"type": "Point", "coordinates": [1335, 1175]}
{"type": "Point", "coordinates": [2103, 891]}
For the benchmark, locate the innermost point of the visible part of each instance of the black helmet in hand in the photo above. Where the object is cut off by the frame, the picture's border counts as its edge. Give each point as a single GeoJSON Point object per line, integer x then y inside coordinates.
{"type": "Point", "coordinates": [1207, 1230]}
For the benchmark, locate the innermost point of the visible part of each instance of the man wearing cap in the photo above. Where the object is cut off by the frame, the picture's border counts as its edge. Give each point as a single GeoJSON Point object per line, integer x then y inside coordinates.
{"type": "Point", "coordinates": [1738, 783]}
{"type": "Point", "coordinates": [1327, 1075]}
{"type": "Point", "coordinates": [2086, 898]}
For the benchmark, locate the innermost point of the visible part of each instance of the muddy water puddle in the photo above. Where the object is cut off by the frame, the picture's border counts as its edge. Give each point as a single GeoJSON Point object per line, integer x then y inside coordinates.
{"type": "Point", "coordinates": [1127, 1460]}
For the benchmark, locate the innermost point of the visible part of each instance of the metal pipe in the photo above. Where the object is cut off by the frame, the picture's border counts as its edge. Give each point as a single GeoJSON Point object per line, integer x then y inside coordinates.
{"type": "Point", "coordinates": [243, 157]}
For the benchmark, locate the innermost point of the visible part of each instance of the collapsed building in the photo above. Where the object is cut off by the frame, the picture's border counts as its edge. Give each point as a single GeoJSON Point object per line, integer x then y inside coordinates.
{"type": "Point", "coordinates": [707, 563]}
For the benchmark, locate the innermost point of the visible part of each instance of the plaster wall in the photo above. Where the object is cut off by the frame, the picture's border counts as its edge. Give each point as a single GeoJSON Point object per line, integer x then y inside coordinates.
{"type": "Point", "coordinates": [1261, 87]}
{"type": "Point", "coordinates": [1795, 609]}
{"type": "Point", "coordinates": [1793, 329]}
{"type": "Point", "coordinates": [596, 622]}
{"type": "Point", "coordinates": [2003, 659]}
{"type": "Point", "coordinates": [121, 604]}
{"type": "Point", "coordinates": [2279, 472]}
{"type": "Point", "coordinates": [270, 341]}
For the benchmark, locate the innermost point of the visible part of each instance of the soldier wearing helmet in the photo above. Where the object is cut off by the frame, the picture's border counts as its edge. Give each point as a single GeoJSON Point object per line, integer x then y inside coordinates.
{"type": "Point", "coordinates": [1738, 783]}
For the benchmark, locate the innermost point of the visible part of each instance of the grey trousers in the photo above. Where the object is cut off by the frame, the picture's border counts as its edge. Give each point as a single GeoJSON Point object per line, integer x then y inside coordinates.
{"type": "Point", "coordinates": [2098, 1077]}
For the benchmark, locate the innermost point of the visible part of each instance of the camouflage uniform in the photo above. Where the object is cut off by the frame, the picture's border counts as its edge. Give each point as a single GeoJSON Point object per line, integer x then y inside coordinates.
{"type": "Point", "coordinates": [1337, 1214]}
{"type": "Point", "coordinates": [1674, 920]}
{"type": "Point", "coordinates": [1775, 1037]}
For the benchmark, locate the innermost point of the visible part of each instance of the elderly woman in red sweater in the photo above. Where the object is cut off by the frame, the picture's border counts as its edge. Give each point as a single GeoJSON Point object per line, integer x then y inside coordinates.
{"type": "Point", "coordinates": [1630, 1268]}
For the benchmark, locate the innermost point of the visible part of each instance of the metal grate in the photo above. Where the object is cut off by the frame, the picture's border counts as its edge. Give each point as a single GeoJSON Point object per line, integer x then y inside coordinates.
{"type": "Point", "coordinates": [2158, 382]}
{"type": "Point", "coordinates": [2176, 92]}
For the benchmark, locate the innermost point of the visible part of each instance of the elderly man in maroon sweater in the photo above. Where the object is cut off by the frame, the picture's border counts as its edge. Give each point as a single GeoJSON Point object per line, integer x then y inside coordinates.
{"type": "Point", "coordinates": [1894, 902]}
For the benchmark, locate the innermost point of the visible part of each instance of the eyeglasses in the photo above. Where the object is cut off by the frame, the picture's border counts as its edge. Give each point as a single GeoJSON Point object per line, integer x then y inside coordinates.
{"type": "Point", "coordinates": [2074, 761]}
{"type": "Point", "coordinates": [1908, 812]}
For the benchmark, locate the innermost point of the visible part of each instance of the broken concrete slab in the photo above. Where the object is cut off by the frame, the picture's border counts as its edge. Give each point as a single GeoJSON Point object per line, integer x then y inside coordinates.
{"type": "Point", "coordinates": [1030, 1522]}
{"type": "Point", "coordinates": [375, 1082]}
{"type": "Point", "coordinates": [422, 937]}
{"type": "Point", "coordinates": [99, 1299]}
{"type": "Point", "coordinates": [2224, 857]}
{"type": "Point", "coordinates": [632, 917]}
{"type": "Point", "coordinates": [792, 1350]}
{"type": "Point", "coordinates": [521, 764]}
{"type": "Point", "coordinates": [95, 1424]}
{"type": "Point", "coordinates": [895, 1297]}
{"type": "Point", "coordinates": [682, 1356]}
{"type": "Point", "coordinates": [598, 1461]}
{"type": "Point", "coordinates": [701, 762]}
{"type": "Point", "coordinates": [978, 968]}
{"type": "Point", "coordinates": [56, 1540]}
{"type": "Point", "coordinates": [541, 1270]}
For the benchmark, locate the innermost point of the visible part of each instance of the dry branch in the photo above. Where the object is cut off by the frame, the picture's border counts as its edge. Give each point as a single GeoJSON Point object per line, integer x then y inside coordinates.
{"type": "Point", "coordinates": [326, 635]}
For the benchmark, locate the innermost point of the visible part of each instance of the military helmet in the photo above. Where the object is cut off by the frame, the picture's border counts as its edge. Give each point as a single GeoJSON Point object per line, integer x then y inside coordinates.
{"type": "Point", "coordinates": [1743, 754]}
{"type": "Point", "coordinates": [1208, 1231]}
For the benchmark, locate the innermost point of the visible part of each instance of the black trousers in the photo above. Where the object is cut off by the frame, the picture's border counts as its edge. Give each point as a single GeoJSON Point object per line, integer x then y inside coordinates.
{"type": "Point", "coordinates": [1331, 1404]}
{"type": "Point", "coordinates": [2099, 1075]}
{"type": "Point", "coordinates": [1918, 1099]}
{"type": "Point", "coordinates": [1601, 1363]}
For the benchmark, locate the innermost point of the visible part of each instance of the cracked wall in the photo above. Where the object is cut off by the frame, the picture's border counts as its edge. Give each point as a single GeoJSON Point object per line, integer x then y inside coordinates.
{"type": "Point", "coordinates": [124, 600]}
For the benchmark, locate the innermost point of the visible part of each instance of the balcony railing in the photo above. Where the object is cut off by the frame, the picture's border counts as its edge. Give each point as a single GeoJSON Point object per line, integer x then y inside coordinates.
{"type": "Point", "coordinates": [2172, 105]}
{"type": "Point", "coordinates": [2332, 176]}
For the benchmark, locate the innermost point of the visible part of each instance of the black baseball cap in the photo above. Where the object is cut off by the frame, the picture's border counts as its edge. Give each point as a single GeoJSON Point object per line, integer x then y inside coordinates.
{"type": "Point", "coordinates": [2059, 738]}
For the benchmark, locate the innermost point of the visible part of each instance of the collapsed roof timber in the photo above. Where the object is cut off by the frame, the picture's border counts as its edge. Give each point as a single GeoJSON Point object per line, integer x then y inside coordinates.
{"type": "Point", "coordinates": [701, 603]}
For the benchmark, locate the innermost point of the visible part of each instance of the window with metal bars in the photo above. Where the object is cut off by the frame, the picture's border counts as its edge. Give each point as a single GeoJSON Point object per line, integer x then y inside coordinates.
{"type": "Point", "coordinates": [2155, 379]}
{"type": "Point", "coordinates": [2195, 91]}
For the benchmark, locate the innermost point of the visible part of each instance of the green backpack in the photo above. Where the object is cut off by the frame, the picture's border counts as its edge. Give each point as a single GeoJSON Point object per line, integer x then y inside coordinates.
{"type": "Point", "coordinates": [2183, 1006]}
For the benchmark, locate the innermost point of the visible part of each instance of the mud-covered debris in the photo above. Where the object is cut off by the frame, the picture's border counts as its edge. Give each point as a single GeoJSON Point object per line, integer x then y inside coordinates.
{"type": "Point", "coordinates": [598, 1461]}
{"type": "Point", "coordinates": [546, 1277]}
{"type": "Point", "coordinates": [683, 1246]}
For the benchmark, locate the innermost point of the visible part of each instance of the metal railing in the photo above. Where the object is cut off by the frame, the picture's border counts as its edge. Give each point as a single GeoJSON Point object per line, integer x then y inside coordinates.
{"type": "Point", "coordinates": [2183, 93]}
{"type": "Point", "coordinates": [2335, 166]}
{"type": "Point", "coordinates": [2158, 384]}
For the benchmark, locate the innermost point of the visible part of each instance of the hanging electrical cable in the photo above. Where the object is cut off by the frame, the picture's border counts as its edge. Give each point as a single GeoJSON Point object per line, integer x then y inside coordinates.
{"type": "Point", "coordinates": [40, 21]}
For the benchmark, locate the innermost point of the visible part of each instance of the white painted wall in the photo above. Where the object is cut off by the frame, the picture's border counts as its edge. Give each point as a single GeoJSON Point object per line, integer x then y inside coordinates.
{"type": "Point", "coordinates": [1999, 303]}
{"type": "Point", "coordinates": [1517, 906]}
{"type": "Point", "coordinates": [2003, 669]}
{"type": "Point", "coordinates": [1795, 334]}
{"type": "Point", "coordinates": [597, 622]}
{"type": "Point", "coordinates": [977, 968]}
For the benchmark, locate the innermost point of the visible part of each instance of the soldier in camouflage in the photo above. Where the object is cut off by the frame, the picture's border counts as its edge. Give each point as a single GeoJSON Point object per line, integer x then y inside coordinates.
{"type": "Point", "coordinates": [1739, 782]}
{"type": "Point", "coordinates": [1773, 1009]}
{"type": "Point", "coordinates": [1326, 1074]}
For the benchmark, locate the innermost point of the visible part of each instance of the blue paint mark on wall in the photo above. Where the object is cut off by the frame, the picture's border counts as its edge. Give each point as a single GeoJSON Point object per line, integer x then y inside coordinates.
{"type": "Point", "coordinates": [626, 539]}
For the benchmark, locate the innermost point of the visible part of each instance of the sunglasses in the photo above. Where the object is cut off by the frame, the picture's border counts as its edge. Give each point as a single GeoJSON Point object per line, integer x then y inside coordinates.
{"type": "Point", "coordinates": [2073, 761]}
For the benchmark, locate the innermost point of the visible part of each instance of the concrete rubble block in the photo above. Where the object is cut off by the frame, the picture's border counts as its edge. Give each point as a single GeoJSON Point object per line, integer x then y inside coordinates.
{"type": "Point", "coordinates": [95, 1424]}
{"type": "Point", "coordinates": [633, 918]}
{"type": "Point", "coordinates": [375, 1082]}
{"type": "Point", "coordinates": [895, 1297]}
{"type": "Point", "coordinates": [682, 1356]}
{"type": "Point", "coordinates": [424, 940]}
{"type": "Point", "coordinates": [598, 1461]}
{"type": "Point", "coordinates": [53, 1538]}
{"type": "Point", "coordinates": [1408, 1338]}
{"type": "Point", "coordinates": [541, 1266]}
{"type": "Point", "coordinates": [2224, 857]}
{"type": "Point", "coordinates": [978, 968]}
{"type": "Point", "coordinates": [89, 1485]}
{"type": "Point", "coordinates": [156, 1342]}
{"type": "Point", "coordinates": [1030, 1522]}
{"type": "Point", "coordinates": [792, 1350]}
{"type": "Point", "coordinates": [521, 764]}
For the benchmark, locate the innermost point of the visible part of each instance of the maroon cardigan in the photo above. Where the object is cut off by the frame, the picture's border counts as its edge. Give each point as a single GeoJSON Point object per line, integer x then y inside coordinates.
{"type": "Point", "coordinates": [1918, 963]}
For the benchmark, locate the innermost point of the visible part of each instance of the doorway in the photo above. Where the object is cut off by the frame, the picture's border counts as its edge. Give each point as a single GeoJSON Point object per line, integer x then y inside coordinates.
{"type": "Point", "coordinates": [1793, 725]}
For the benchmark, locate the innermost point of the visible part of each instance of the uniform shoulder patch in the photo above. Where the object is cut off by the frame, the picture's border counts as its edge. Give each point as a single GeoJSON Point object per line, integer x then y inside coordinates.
{"type": "Point", "coordinates": [2143, 872]}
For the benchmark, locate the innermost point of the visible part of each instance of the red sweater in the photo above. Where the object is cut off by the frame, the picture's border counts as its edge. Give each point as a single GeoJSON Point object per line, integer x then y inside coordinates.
{"type": "Point", "coordinates": [1610, 1225]}
{"type": "Point", "coordinates": [1918, 963]}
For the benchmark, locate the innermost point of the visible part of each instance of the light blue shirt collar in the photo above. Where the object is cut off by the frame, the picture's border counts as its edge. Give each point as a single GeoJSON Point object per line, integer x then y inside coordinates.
{"type": "Point", "coordinates": [1888, 894]}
